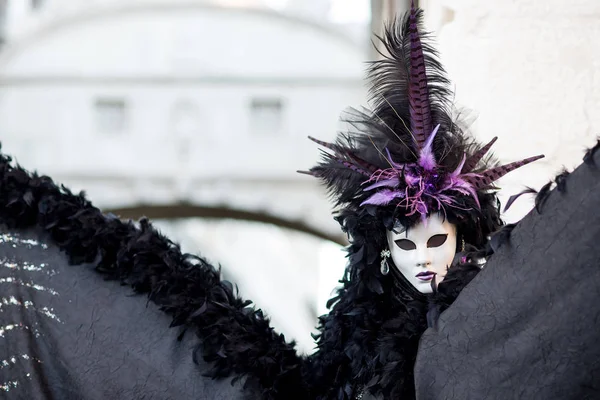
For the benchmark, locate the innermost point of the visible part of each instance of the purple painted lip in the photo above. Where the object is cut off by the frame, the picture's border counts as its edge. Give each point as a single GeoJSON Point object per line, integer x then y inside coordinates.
{"type": "Point", "coordinates": [426, 276]}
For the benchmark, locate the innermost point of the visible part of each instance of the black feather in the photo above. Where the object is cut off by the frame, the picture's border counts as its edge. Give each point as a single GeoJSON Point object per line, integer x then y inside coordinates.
{"type": "Point", "coordinates": [561, 180]}
{"type": "Point", "coordinates": [542, 196]}
{"type": "Point", "coordinates": [514, 197]}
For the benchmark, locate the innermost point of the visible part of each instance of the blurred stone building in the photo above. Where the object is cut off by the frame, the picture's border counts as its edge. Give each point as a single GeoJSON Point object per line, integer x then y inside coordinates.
{"type": "Point", "coordinates": [180, 110]}
{"type": "Point", "coordinates": [176, 101]}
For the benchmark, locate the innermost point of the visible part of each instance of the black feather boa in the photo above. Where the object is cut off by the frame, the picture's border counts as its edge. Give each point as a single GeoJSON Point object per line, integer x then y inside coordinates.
{"type": "Point", "coordinates": [369, 339]}
{"type": "Point", "coordinates": [237, 338]}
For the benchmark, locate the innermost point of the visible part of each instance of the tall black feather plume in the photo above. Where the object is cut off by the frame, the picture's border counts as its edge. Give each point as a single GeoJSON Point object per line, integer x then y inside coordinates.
{"type": "Point", "coordinates": [409, 83]}
{"type": "Point", "coordinates": [388, 124]}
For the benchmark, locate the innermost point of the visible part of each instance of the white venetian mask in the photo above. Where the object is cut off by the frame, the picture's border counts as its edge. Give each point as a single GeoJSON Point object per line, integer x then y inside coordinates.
{"type": "Point", "coordinates": [424, 252]}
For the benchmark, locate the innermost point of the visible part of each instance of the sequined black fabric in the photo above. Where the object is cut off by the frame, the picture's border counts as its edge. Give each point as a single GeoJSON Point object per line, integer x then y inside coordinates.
{"type": "Point", "coordinates": [65, 333]}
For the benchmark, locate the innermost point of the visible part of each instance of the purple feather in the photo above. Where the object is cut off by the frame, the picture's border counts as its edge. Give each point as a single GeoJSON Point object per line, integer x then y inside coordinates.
{"type": "Point", "coordinates": [359, 165]}
{"type": "Point", "coordinates": [514, 197]}
{"type": "Point", "coordinates": [351, 166]}
{"type": "Point", "coordinates": [383, 197]}
{"type": "Point", "coordinates": [427, 158]}
{"type": "Point", "coordinates": [411, 179]}
{"type": "Point", "coordinates": [492, 175]}
{"type": "Point", "coordinates": [327, 145]}
{"type": "Point", "coordinates": [308, 173]}
{"type": "Point", "coordinates": [362, 163]}
{"type": "Point", "coordinates": [418, 92]}
{"type": "Point", "coordinates": [459, 169]}
{"type": "Point", "coordinates": [395, 165]}
{"type": "Point", "coordinates": [393, 182]}
{"type": "Point", "coordinates": [471, 163]}
{"type": "Point", "coordinates": [464, 187]}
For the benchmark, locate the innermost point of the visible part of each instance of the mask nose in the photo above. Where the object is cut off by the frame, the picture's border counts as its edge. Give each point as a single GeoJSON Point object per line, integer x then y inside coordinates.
{"type": "Point", "coordinates": [423, 259]}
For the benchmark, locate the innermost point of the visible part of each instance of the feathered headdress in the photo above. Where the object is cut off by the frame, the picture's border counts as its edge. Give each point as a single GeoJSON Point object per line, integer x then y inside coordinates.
{"type": "Point", "coordinates": [408, 152]}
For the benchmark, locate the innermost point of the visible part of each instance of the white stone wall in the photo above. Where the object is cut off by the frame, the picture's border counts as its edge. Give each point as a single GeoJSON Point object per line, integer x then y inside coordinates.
{"type": "Point", "coordinates": [530, 69]}
{"type": "Point", "coordinates": [157, 57]}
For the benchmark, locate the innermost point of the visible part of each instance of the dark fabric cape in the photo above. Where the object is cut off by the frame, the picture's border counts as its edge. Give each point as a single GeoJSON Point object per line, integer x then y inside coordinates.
{"type": "Point", "coordinates": [528, 326]}
{"type": "Point", "coordinates": [65, 333]}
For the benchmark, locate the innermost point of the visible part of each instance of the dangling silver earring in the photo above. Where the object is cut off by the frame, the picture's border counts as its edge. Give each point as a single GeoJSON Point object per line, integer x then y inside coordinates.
{"type": "Point", "coordinates": [463, 244]}
{"type": "Point", "coordinates": [384, 267]}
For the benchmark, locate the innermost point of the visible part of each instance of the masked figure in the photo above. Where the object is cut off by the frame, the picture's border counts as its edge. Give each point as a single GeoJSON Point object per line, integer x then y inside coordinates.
{"type": "Point", "coordinates": [412, 189]}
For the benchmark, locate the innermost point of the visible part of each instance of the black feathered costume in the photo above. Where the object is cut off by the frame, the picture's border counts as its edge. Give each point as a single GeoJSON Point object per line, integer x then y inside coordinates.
{"type": "Point", "coordinates": [405, 159]}
{"type": "Point", "coordinates": [84, 332]}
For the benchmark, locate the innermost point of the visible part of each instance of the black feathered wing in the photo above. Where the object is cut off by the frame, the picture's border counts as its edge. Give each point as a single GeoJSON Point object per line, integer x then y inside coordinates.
{"type": "Point", "coordinates": [104, 327]}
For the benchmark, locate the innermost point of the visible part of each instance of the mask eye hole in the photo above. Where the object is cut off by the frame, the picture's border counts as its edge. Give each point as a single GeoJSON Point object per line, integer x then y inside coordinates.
{"type": "Point", "coordinates": [437, 240]}
{"type": "Point", "coordinates": [405, 244]}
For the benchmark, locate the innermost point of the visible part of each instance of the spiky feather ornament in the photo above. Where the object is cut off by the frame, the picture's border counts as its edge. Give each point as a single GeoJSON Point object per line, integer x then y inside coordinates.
{"type": "Point", "coordinates": [408, 151]}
